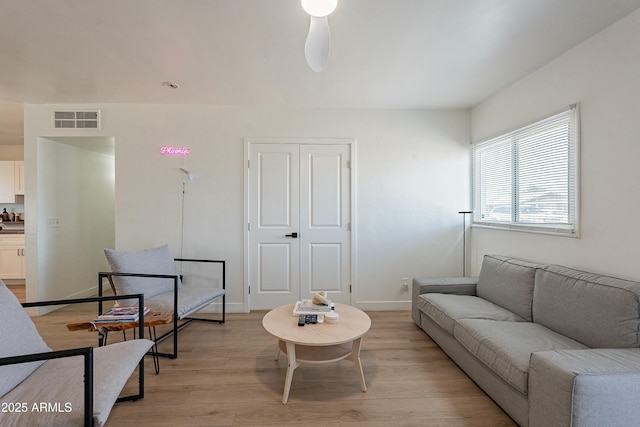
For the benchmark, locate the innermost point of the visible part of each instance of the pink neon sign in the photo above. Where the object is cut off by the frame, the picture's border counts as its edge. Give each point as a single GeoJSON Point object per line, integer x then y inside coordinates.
{"type": "Point", "coordinates": [169, 150]}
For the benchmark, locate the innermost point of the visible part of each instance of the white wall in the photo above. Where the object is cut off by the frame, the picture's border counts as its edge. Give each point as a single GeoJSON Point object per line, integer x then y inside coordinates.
{"type": "Point", "coordinates": [412, 179]}
{"type": "Point", "coordinates": [76, 186]}
{"type": "Point", "coordinates": [603, 75]}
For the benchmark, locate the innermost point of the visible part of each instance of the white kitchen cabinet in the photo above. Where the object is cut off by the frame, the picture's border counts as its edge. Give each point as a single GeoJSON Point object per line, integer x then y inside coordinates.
{"type": "Point", "coordinates": [18, 177]}
{"type": "Point", "coordinates": [12, 265]}
{"type": "Point", "coordinates": [7, 178]}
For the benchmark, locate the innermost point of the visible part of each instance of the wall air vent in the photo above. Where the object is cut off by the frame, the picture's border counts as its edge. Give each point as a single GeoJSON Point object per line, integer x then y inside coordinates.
{"type": "Point", "coordinates": [76, 119]}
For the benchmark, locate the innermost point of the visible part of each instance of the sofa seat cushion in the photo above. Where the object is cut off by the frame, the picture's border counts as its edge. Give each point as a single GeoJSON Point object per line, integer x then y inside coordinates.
{"type": "Point", "coordinates": [445, 309]}
{"type": "Point", "coordinates": [60, 382]}
{"type": "Point", "coordinates": [506, 347]}
{"type": "Point", "coordinates": [190, 300]}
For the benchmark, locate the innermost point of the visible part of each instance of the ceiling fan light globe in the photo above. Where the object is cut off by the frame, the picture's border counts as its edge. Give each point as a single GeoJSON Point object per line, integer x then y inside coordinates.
{"type": "Point", "coordinates": [319, 8]}
{"type": "Point", "coordinates": [318, 44]}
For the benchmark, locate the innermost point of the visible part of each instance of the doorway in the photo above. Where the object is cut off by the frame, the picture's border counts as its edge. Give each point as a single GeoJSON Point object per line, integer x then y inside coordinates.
{"type": "Point", "coordinates": [72, 206]}
{"type": "Point", "coordinates": [300, 232]}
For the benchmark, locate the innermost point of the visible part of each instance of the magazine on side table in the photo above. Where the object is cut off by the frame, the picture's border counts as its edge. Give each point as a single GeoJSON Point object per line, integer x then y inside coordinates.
{"type": "Point", "coordinates": [120, 314]}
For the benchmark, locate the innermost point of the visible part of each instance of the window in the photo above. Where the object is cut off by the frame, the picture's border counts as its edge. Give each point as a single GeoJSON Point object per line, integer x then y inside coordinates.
{"type": "Point", "coordinates": [527, 179]}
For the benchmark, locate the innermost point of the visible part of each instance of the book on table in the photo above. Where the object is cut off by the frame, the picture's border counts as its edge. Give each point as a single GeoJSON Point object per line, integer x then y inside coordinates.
{"type": "Point", "coordinates": [120, 314]}
{"type": "Point", "coordinates": [306, 306]}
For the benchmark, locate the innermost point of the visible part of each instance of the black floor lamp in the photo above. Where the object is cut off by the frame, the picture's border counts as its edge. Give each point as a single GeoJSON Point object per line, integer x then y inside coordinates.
{"type": "Point", "coordinates": [186, 177]}
{"type": "Point", "coordinates": [464, 242]}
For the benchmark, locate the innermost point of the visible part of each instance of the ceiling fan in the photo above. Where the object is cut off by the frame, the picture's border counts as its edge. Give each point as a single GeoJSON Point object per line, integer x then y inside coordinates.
{"type": "Point", "coordinates": [318, 44]}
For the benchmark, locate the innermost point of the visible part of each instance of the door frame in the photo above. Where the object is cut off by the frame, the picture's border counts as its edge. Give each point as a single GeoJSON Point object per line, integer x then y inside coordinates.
{"type": "Point", "coordinates": [351, 142]}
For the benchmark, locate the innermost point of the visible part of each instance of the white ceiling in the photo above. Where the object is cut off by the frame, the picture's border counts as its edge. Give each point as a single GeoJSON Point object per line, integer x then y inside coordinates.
{"type": "Point", "coordinates": [385, 53]}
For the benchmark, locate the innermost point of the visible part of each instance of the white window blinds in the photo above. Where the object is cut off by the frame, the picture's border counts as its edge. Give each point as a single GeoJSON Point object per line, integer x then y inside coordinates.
{"type": "Point", "coordinates": [528, 178]}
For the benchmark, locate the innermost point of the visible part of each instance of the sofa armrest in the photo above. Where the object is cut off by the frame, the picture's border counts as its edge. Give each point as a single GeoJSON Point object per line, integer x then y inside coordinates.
{"type": "Point", "coordinates": [445, 285]}
{"type": "Point", "coordinates": [440, 285]}
{"type": "Point", "coordinates": [584, 387]}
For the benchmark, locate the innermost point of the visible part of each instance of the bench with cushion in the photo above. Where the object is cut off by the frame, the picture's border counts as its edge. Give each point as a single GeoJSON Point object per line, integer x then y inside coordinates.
{"type": "Point", "coordinates": [41, 387]}
{"type": "Point", "coordinates": [153, 272]}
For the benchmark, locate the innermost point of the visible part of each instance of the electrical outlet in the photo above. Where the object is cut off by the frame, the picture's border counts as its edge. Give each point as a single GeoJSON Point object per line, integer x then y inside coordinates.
{"type": "Point", "coordinates": [405, 283]}
{"type": "Point", "coordinates": [53, 222]}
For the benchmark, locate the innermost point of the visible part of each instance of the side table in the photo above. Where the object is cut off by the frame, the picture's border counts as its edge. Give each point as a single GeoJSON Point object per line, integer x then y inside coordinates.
{"type": "Point", "coordinates": [151, 320]}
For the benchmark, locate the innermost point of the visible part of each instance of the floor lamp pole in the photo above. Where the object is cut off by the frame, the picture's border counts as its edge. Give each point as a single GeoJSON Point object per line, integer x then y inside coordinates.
{"type": "Point", "coordinates": [464, 242]}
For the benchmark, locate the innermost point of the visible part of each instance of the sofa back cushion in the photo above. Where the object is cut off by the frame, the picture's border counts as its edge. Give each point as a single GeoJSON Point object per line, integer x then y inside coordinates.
{"type": "Point", "coordinates": [149, 261]}
{"type": "Point", "coordinates": [507, 282]}
{"type": "Point", "coordinates": [596, 310]}
{"type": "Point", "coordinates": [18, 336]}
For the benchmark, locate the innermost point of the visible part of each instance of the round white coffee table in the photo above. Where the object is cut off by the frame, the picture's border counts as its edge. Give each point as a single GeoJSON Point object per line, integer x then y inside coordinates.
{"type": "Point", "coordinates": [318, 343]}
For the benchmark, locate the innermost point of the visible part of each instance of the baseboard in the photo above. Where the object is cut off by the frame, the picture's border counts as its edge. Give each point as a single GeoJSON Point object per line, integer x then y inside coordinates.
{"type": "Point", "coordinates": [85, 293]}
{"type": "Point", "coordinates": [15, 282]}
{"type": "Point", "coordinates": [383, 305]}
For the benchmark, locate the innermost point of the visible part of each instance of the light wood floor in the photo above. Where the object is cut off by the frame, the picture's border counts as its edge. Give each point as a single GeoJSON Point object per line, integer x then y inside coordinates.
{"type": "Point", "coordinates": [226, 375]}
{"type": "Point", "coordinates": [18, 291]}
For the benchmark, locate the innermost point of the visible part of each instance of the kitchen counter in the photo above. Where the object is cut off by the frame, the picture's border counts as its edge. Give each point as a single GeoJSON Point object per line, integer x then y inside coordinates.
{"type": "Point", "coordinates": [16, 227]}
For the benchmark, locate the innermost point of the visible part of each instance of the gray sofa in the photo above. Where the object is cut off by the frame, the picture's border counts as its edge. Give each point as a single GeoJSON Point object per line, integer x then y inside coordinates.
{"type": "Point", "coordinates": [551, 345]}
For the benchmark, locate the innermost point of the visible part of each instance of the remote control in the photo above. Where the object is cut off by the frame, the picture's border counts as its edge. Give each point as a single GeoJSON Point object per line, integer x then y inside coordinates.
{"type": "Point", "coordinates": [301, 320]}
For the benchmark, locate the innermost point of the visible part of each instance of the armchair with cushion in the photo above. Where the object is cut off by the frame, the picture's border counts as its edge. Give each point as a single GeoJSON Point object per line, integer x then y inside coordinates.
{"type": "Point", "coordinates": [41, 387]}
{"type": "Point", "coordinates": [153, 272]}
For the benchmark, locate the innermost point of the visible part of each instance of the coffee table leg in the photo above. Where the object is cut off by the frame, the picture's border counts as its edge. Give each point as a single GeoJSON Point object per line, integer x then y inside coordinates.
{"type": "Point", "coordinates": [355, 357]}
{"type": "Point", "coordinates": [292, 365]}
